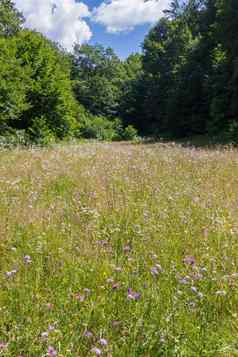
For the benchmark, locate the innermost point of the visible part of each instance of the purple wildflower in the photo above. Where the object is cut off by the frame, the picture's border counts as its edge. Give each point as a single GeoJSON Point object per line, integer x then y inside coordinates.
{"type": "Point", "coordinates": [27, 259]}
{"type": "Point", "coordinates": [156, 270]}
{"type": "Point", "coordinates": [88, 334]}
{"type": "Point", "coordinates": [132, 295]}
{"type": "Point", "coordinates": [97, 351]}
{"type": "Point", "coordinates": [189, 260]}
{"type": "Point", "coordinates": [183, 281]}
{"type": "Point", "coordinates": [45, 335]}
{"type": "Point", "coordinates": [103, 342]}
{"type": "Point", "coordinates": [51, 351]}
{"type": "Point", "coordinates": [51, 328]}
{"type": "Point", "coordinates": [10, 274]}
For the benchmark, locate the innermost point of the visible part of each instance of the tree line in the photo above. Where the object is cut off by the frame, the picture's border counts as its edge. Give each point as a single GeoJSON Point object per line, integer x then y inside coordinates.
{"type": "Point", "coordinates": [184, 83]}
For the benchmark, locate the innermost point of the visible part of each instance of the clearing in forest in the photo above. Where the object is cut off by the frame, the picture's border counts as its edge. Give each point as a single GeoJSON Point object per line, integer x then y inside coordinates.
{"type": "Point", "coordinates": [118, 250]}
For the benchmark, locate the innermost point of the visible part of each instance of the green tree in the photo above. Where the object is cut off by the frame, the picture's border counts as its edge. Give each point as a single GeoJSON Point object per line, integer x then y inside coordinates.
{"type": "Point", "coordinates": [166, 49]}
{"type": "Point", "coordinates": [98, 76]}
{"type": "Point", "coordinates": [52, 107]}
{"type": "Point", "coordinates": [13, 80]}
{"type": "Point", "coordinates": [131, 100]}
{"type": "Point", "coordinates": [10, 18]}
{"type": "Point", "coordinates": [226, 31]}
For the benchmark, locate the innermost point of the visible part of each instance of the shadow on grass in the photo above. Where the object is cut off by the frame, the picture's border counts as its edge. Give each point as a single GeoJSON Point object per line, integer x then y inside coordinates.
{"type": "Point", "coordinates": [198, 141]}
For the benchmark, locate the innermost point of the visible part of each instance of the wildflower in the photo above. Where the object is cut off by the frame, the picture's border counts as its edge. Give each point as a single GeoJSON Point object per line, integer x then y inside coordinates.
{"type": "Point", "coordinates": [192, 304]}
{"type": "Point", "coordinates": [51, 351]}
{"type": "Point", "coordinates": [10, 274]}
{"type": "Point", "coordinates": [194, 290]}
{"type": "Point", "coordinates": [50, 306]}
{"type": "Point", "coordinates": [51, 327]}
{"type": "Point", "coordinates": [127, 249]}
{"type": "Point", "coordinates": [189, 260]}
{"type": "Point", "coordinates": [88, 334]}
{"type": "Point", "coordinates": [3, 346]}
{"type": "Point", "coordinates": [118, 269]}
{"type": "Point", "coordinates": [154, 271]}
{"type": "Point", "coordinates": [200, 295]}
{"type": "Point", "coordinates": [103, 342]}
{"type": "Point", "coordinates": [115, 286]}
{"type": "Point", "coordinates": [205, 232]}
{"type": "Point", "coordinates": [183, 281]}
{"type": "Point", "coordinates": [103, 243]}
{"type": "Point", "coordinates": [97, 351]}
{"type": "Point", "coordinates": [132, 295]}
{"type": "Point", "coordinates": [197, 276]}
{"type": "Point", "coordinates": [45, 335]}
{"type": "Point", "coordinates": [110, 280]}
{"type": "Point", "coordinates": [87, 291]}
{"type": "Point", "coordinates": [27, 259]}
{"type": "Point", "coordinates": [116, 324]}
{"type": "Point", "coordinates": [79, 297]}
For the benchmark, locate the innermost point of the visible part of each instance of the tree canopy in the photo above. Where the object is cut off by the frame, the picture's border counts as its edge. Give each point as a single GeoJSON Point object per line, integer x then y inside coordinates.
{"type": "Point", "coordinates": [184, 83]}
{"type": "Point", "coordinates": [10, 18]}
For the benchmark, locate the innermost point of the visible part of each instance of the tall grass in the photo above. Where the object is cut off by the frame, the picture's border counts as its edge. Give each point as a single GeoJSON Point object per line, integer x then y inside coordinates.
{"type": "Point", "coordinates": [118, 250]}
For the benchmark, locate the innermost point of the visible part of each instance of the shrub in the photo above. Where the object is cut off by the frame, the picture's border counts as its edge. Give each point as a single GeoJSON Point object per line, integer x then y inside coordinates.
{"type": "Point", "coordinates": [11, 138]}
{"type": "Point", "coordinates": [101, 128]}
{"type": "Point", "coordinates": [98, 127]}
{"type": "Point", "coordinates": [40, 133]}
{"type": "Point", "coordinates": [130, 133]}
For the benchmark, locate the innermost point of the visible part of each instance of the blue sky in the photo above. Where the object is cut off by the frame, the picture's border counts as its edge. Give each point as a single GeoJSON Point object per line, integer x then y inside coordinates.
{"type": "Point", "coordinates": [120, 24]}
{"type": "Point", "coordinates": [123, 43]}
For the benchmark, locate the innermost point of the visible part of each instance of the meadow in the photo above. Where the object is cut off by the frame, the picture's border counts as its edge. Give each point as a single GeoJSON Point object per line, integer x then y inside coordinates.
{"type": "Point", "coordinates": [118, 250]}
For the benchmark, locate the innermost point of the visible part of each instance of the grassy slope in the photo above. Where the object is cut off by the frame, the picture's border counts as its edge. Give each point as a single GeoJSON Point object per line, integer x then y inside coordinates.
{"type": "Point", "coordinates": [97, 219]}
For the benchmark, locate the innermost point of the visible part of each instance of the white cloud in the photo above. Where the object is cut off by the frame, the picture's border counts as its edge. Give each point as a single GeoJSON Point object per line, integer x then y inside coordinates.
{"type": "Point", "coordinates": [124, 15]}
{"type": "Point", "coordinates": [61, 20]}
